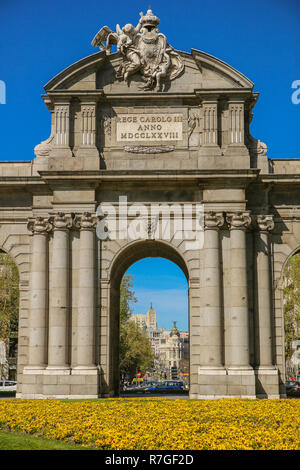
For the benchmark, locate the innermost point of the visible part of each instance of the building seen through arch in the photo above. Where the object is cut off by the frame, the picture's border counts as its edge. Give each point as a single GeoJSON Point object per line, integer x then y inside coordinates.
{"type": "Point", "coordinates": [171, 348]}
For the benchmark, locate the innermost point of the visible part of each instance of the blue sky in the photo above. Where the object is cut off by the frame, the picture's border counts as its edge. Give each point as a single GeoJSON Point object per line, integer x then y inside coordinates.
{"type": "Point", "coordinates": [260, 38]}
{"type": "Point", "coordinates": [163, 283]}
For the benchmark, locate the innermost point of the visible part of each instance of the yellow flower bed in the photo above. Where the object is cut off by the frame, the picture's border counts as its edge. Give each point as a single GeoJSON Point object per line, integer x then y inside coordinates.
{"type": "Point", "coordinates": [157, 424]}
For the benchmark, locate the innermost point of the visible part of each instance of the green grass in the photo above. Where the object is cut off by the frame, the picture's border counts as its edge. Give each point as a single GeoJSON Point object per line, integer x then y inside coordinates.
{"type": "Point", "coordinates": [19, 441]}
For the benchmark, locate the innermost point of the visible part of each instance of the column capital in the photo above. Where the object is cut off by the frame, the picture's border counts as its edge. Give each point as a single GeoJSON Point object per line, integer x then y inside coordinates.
{"type": "Point", "coordinates": [39, 225]}
{"type": "Point", "coordinates": [240, 220]}
{"type": "Point", "coordinates": [213, 220]}
{"type": "Point", "coordinates": [265, 223]}
{"type": "Point", "coordinates": [62, 221]}
{"type": "Point", "coordinates": [86, 221]}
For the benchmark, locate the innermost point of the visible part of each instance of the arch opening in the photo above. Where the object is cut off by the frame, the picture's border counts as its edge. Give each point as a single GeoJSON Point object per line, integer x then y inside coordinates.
{"type": "Point", "coordinates": [123, 263]}
{"type": "Point", "coordinates": [291, 317]}
{"type": "Point", "coordinates": [9, 317]}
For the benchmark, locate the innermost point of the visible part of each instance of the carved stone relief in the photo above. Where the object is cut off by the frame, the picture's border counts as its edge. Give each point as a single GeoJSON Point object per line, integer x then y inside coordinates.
{"type": "Point", "coordinates": [144, 50]}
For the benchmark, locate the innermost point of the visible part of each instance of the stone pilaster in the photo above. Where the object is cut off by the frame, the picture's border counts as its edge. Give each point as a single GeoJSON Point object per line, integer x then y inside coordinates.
{"type": "Point", "coordinates": [211, 371]}
{"type": "Point", "coordinates": [86, 295]}
{"type": "Point", "coordinates": [237, 346]}
{"type": "Point", "coordinates": [241, 378]}
{"type": "Point", "coordinates": [210, 123]}
{"type": "Point", "coordinates": [211, 354]}
{"type": "Point", "coordinates": [40, 228]}
{"type": "Point", "coordinates": [267, 374]}
{"type": "Point", "coordinates": [59, 308]}
{"type": "Point", "coordinates": [61, 129]}
{"type": "Point", "coordinates": [88, 148]}
{"type": "Point", "coordinates": [210, 133]}
{"type": "Point", "coordinates": [234, 123]}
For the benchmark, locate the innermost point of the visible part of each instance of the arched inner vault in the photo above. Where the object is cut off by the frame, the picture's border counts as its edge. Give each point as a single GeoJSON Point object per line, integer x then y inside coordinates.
{"type": "Point", "coordinates": [145, 249]}
{"type": "Point", "coordinates": [122, 261]}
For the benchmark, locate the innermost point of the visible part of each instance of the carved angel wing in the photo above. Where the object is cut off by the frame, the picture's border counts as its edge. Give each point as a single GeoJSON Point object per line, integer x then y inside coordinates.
{"type": "Point", "coordinates": [102, 35]}
{"type": "Point", "coordinates": [162, 40]}
{"type": "Point", "coordinates": [177, 65]}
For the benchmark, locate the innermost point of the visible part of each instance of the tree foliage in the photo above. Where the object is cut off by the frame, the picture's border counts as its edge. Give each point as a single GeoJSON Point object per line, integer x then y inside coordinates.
{"type": "Point", "coordinates": [291, 303]}
{"type": "Point", "coordinates": [9, 298]}
{"type": "Point", "coordinates": [127, 297]}
{"type": "Point", "coordinates": [136, 353]}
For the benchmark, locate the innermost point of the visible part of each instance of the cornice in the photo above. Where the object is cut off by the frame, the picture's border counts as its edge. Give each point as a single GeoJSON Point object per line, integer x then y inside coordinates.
{"type": "Point", "coordinates": [213, 177]}
{"type": "Point", "coordinates": [221, 66]}
{"type": "Point", "coordinates": [90, 61]}
{"type": "Point", "coordinates": [280, 178]}
{"type": "Point", "coordinates": [198, 176]}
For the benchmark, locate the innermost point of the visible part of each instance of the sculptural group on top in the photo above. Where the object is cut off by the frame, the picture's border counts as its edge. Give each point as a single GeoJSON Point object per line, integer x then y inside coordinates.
{"type": "Point", "coordinates": [144, 50]}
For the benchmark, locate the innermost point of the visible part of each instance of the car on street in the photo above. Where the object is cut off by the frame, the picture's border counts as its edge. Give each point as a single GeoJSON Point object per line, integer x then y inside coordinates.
{"type": "Point", "coordinates": [296, 387]}
{"type": "Point", "coordinates": [167, 386]}
{"type": "Point", "coordinates": [292, 388]}
{"type": "Point", "coordinates": [289, 384]}
{"type": "Point", "coordinates": [8, 386]}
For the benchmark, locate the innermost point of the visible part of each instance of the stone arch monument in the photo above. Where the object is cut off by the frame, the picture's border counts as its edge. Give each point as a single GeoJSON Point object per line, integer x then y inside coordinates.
{"type": "Point", "coordinates": [149, 126]}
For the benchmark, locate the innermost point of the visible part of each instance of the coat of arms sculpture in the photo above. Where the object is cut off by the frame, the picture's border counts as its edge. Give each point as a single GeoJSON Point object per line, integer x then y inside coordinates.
{"type": "Point", "coordinates": [144, 50]}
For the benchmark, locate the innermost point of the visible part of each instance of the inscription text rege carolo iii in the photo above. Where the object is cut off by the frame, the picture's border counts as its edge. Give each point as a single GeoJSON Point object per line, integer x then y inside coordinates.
{"type": "Point", "coordinates": [154, 127]}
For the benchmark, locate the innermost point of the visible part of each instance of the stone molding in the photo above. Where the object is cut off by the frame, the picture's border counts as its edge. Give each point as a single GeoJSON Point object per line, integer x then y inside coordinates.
{"type": "Point", "coordinates": [147, 149]}
{"type": "Point", "coordinates": [106, 124]}
{"type": "Point", "coordinates": [44, 148]}
{"type": "Point", "coordinates": [86, 221]}
{"type": "Point", "coordinates": [238, 220]}
{"type": "Point", "coordinates": [265, 223]}
{"type": "Point", "coordinates": [193, 121]}
{"type": "Point", "coordinates": [62, 221]}
{"type": "Point", "coordinates": [213, 220]}
{"type": "Point", "coordinates": [39, 225]}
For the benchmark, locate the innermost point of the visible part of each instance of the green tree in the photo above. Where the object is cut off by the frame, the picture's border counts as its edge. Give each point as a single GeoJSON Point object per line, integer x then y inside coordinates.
{"type": "Point", "coordinates": [135, 348]}
{"type": "Point", "coordinates": [9, 302]}
{"type": "Point", "coordinates": [291, 303]}
{"type": "Point", "coordinates": [136, 353]}
{"type": "Point", "coordinates": [127, 297]}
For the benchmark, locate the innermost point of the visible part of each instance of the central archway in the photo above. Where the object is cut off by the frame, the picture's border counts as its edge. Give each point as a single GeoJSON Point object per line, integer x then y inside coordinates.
{"type": "Point", "coordinates": [122, 261]}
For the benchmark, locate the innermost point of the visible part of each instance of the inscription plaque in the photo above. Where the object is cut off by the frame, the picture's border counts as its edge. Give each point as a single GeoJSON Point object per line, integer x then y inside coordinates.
{"type": "Point", "coordinates": [149, 127]}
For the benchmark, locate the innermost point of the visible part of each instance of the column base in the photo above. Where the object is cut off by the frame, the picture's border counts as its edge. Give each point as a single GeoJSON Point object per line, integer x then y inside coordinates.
{"type": "Point", "coordinates": [38, 396]}
{"type": "Point", "coordinates": [34, 370]}
{"type": "Point", "coordinates": [88, 159]}
{"type": "Point", "coordinates": [207, 370]}
{"type": "Point", "coordinates": [60, 151]}
{"type": "Point", "coordinates": [221, 382]}
{"type": "Point", "coordinates": [57, 370]}
{"type": "Point", "coordinates": [267, 382]}
{"type": "Point", "coordinates": [85, 370]}
{"type": "Point", "coordinates": [222, 397]}
{"type": "Point", "coordinates": [240, 370]}
{"type": "Point", "coordinates": [87, 151]}
{"type": "Point", "coordinates": [60, 382]}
